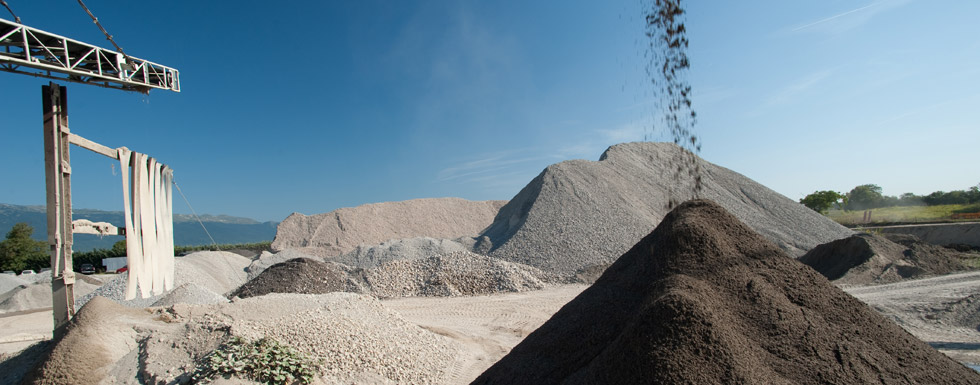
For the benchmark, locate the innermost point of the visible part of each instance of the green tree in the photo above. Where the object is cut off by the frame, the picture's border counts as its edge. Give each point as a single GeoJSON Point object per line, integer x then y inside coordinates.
{"type": "Point", "coordinates": [19, 251]}
{"type": "Point", "coordinates": [866, 196]}
{"type": "Point", "coordinates": [821, 201]}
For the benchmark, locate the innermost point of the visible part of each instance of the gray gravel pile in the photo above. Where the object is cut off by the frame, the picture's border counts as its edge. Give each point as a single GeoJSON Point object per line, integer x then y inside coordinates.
{"type": "Point", "coordinates": [9, 282]}
{"type": "Point", "coordinates": [191, 294]}
{"type": "Point", "coordinates": [580, 215]}
{"type": "Point", "coordinates": [454, 274]}
{"type": "Point", "coordinates": [267, 259]}
{"type": "Point", "coordinates": [217, 271]}
{"type": "Point", "coordinates": [342, 230]}
{"type": "Point", "coordinates": [365, 256]}
{"type": "Point", "coordinates": [357, 339]}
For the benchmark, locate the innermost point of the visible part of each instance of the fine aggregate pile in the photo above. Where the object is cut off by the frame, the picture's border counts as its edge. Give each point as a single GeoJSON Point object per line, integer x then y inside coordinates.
{"type": "Point", "coordinates": [192, 294]}
{"type": "Point", "coordinates": [219, 272]}
{"type": "Point", "coordinates": [865, 259]}
{"type": "Point", "coordinates": [705, 299]}
{"type": "Point", "coordinates": [100, 334]}
{"type": "Point", "coordinates": [579, 215]}
{"type": "Point", "coordinates": [303, 276]}
{"type": "Point", "coordinates": [37, 296]}
{"type": "Point", "coordinates": [367, 256]}
{"type": "Point", "coordinates": [340, 231]}
{"type": "Point", "coordinates": [9, 282]}
{"type": "Point", "coordinates": [449, 275]}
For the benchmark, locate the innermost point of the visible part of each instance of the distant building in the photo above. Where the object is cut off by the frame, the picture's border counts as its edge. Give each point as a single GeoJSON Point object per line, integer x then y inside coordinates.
{"type": "Point", "coordinates": [112, 264]}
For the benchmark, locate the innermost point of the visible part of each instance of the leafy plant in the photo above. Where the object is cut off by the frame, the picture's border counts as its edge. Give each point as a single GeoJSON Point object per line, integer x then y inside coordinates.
{"type": "Point", "coordinates": [264, 360]}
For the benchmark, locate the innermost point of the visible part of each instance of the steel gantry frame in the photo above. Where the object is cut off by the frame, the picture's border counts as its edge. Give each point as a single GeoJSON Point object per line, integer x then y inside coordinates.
{"type": "Point", "coordinates": [34, 52]}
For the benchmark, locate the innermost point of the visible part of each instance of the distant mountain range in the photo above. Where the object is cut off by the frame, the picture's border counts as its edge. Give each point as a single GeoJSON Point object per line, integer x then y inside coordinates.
{"type": "Point", "coordinates": [187, 231]}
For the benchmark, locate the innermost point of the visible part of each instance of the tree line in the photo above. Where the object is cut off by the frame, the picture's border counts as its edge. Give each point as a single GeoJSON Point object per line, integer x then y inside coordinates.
{"type": "Point", "coordinates": [19, 252]}
{"type": "Point", "coordinates": [869, 196]}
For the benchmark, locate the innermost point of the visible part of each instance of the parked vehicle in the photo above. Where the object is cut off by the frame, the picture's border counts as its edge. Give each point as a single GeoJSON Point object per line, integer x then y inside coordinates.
{"type": "Point", "coordinates": [9, 272]}
{"type": "Point", "coordinates": [122, 269]}
{"type": "Point", "coordinates": [87, 268]}
{"type": "Point", "coordinates": [27, 272]}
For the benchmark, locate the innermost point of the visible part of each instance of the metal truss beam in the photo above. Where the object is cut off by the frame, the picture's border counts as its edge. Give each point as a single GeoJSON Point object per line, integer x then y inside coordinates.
{"type": "Point", "coordinates": [34, 52]}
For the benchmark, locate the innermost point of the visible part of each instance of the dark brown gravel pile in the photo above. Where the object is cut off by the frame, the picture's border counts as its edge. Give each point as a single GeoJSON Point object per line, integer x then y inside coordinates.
{"type": "Point", "coordinates": [706, 300]}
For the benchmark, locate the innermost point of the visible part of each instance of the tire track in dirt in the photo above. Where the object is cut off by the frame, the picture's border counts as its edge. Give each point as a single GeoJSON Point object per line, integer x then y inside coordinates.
{"type": "Point", "coordinates": [486, 326]}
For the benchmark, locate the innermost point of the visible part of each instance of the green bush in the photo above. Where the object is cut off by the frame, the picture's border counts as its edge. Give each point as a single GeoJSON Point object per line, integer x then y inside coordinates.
{"type": "Point", "coordinates": [265, 360]}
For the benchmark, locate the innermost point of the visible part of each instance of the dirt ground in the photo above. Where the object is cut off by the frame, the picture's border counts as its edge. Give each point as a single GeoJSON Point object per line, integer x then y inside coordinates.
{"type": "Point", "coordinates": [924, 308]}
{"type": "Point", "coordinates": [487, 326]}
{"type": "Point", "coordinates": [19, 330]}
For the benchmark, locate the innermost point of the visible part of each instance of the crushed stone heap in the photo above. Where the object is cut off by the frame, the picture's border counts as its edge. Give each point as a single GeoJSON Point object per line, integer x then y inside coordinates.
{"type": "Point", "coordinates": [340, 231]}
{"type": "Point", "coordinates": [578, 215]}
{"type": "Point", "coordinates": [303, 276]}
{"type": "Point", "coordinates": [865, 259]}
{"type": "Point", "coordinates": [441, 275]}
{"type": "Point", "coordinates": [706, 300]}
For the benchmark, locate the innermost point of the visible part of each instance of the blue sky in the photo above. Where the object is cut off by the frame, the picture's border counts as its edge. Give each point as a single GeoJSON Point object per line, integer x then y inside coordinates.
{"type": "Point", "coordinates": [309, 106]}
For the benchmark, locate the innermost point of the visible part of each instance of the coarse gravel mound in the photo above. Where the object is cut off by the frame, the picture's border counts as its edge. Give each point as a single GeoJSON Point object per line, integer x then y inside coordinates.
{"type": "Point", "coordinates": [579, 215]}
{"type": "Point", "coordinates": [454, 274]}
{"type": "Point", "coordinates": [354, 337]}
{"type": "Point", "coordinates": [217, 271]}
{"type": "Point", "coordinates": [340, 231]}
{"type": "Point", "coordinates": [365, 256]}
{"type": "Point", "coordinates": [267, 259]}
{"type": "Point", "coordinates": [705, 299]}
{"type": "Point", "coordinates": [865, 259]}
{"type": "Point", "coordinates": [303, 276]}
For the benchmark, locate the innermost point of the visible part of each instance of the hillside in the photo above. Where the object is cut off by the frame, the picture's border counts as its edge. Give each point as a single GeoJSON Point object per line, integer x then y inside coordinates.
{"type": "Point", "coordinates": [187, 232]}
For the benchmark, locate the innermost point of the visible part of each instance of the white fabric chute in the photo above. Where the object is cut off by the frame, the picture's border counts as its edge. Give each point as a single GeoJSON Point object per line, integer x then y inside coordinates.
{"type": "Point", "coordinates": [149, 224]}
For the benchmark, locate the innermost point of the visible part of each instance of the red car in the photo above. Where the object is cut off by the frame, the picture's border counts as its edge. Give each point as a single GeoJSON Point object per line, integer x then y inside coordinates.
{"type": "Point", "coordinates": [122, 269]}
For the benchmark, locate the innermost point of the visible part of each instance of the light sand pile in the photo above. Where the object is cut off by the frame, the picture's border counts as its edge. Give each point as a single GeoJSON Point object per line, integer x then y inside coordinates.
{"type": "Point", "coordinates": [217, 271]}
{"type": "Point", "coordinates": [192, 294]}
{"type": "Point", "coordinates": [580, 215]}
{"type": "Point", "coordinates": [704, 299]}
{"type": "Point", "coordinates": [9, 282]}
{"type": "Point", "coordinates": [99, 335]}
{"type": "Point", "coordinates": [450, 275]}
{"type": "Point", "coordinates": [365, 256]}
{"type": "Point", "coordinates": [341, 230]}
{"type": "Point", "coordinates": [37, 296]}
{"type": "Point", "coordinates": [864, 259]}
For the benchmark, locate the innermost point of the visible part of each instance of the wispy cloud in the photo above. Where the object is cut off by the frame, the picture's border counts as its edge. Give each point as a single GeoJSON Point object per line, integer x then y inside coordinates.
{"type": "Point", "coordinates": [793, 90]}
{"type": "Point", "coordinates": [837, 16]}
{"type": "Point", "coordinates": [849, 19]}
{"type": "Point", "coordinates": [490, 164]}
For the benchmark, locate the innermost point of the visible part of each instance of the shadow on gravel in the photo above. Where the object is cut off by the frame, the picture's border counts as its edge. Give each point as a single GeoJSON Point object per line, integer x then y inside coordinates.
{"type": "Point", "coordinates": [13, 369]}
